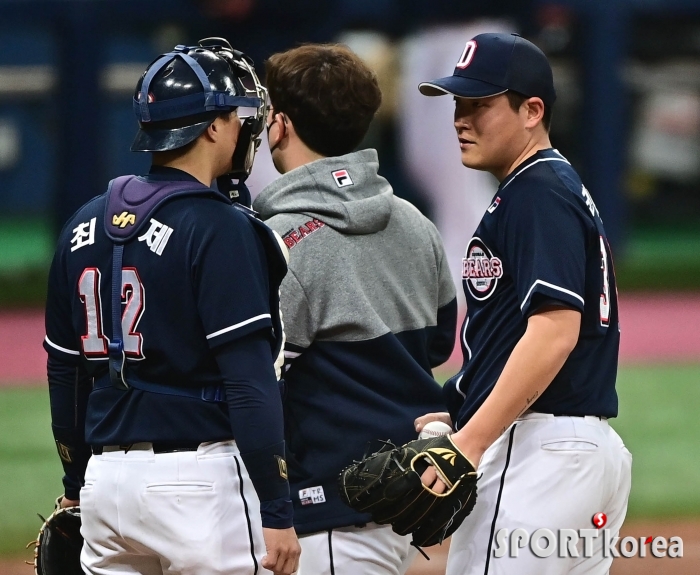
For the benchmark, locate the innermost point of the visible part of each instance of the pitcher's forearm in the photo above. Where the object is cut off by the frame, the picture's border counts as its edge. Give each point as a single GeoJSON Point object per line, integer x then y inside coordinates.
{"type": "Point", "coordinates": [531, 367]}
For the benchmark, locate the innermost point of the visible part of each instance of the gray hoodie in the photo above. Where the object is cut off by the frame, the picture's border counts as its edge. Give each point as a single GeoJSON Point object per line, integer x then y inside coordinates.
{"type": "Point", "coordinates": [369, 308]}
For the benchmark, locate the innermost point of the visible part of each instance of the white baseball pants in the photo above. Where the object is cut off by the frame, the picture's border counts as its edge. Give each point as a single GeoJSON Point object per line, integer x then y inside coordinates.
{"type": "Point", "coordinates": [183, 513]}
{"type": "Point", "coordinates": [545, 472]}
{"type": "Point", "coordinates": [370, 550]}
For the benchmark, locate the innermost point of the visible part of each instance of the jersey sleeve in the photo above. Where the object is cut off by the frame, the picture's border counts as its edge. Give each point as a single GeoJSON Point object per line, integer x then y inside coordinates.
{"type": "Point", "coordinates": [544, 245]}
{"type": "Point", "coordinates": [60, 342]}
{"type": "Point", "coordinates": [255, 411]}
{"type": "Point", "coordinates": [69, 390]}
{"type": "Point", "coordinates": [231, 280]}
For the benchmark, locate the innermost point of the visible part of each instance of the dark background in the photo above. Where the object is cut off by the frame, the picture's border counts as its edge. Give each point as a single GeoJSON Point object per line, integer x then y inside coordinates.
{"type": "Point", "coordinates": [628, 113]}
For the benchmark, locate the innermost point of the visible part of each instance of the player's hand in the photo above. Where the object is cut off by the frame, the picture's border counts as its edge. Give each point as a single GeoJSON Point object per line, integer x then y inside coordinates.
{"type": "Point", "coordinates": [469, 449]}
{"type": "Point", "coordinates": [442, 416]}
{"type": "Point", "coordinates": [63, 503]}
{"type": "Point", "coordinates": [283, 551]}
{"type": "Point", "coordinates": [430, 479]}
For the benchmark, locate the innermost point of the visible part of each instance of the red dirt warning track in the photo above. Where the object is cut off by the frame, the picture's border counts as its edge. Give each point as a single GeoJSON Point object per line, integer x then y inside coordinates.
{"type": "Point", "coordinates": [655, 328]}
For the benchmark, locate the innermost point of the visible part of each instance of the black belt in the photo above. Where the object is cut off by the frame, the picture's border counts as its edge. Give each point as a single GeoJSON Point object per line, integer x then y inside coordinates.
{"type": "Point", "coordinates": [157, 448]}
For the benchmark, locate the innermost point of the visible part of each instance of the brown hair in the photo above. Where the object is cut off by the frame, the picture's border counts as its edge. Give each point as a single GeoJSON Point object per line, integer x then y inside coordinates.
{"type": "Point", "coordinates": [516, 99]}
{"type": "Point", "coordinates": [327, 91]}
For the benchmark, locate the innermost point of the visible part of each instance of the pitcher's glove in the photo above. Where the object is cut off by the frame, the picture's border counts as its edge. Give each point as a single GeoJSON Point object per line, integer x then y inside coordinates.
{"type": "Point", "coordinates": [387, 485]}
{"type": "Point", "coordinates": [58, 545]}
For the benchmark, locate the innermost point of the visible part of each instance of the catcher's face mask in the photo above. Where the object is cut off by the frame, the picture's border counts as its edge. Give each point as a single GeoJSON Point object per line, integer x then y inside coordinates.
{"type": "Point", "coordinates": [182, 92]}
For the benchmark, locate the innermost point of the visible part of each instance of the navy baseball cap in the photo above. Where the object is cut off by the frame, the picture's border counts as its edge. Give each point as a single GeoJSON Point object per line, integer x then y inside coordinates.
{"type": "Point", "coordinates": [492, 64]}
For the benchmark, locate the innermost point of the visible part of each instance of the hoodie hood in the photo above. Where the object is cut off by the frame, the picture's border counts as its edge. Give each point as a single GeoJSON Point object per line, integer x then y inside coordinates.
{"type": "Point", "coordinates": [345, 192]}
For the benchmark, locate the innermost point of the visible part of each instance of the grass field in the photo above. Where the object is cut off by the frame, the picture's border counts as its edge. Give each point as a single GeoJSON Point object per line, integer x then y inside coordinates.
{"type": "Point", "coordinates": [658, 421]}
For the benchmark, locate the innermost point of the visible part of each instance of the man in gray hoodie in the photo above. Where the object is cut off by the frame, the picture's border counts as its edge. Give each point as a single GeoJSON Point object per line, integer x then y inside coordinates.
{"type": "Point", "coordinates": [368, 303]}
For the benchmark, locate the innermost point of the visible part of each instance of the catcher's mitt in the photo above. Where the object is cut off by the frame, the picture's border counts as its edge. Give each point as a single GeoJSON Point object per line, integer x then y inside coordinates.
{"type": "Point", "coordinates": [387, 485]}
{"type": "Point", "coordinates": [58, 545]}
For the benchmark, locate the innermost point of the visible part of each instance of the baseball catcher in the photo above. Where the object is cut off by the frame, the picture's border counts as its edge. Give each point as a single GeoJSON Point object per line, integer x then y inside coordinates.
{"type": "Point", "coordinates": [388, 485]}
{"type": "Point", "coordinates": [58, 544]}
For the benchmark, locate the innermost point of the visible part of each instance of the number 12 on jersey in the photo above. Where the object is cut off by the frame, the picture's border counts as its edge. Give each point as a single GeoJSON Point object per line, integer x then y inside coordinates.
{"type": "Point", "coordinates": [132, 297]}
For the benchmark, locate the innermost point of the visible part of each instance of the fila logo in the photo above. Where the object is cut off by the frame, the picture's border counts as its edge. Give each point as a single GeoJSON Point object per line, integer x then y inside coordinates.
{"type": "Point", "coordinates": [494, 205]}
{"type": "Point", "coordinates": [312, 495]}
{"type": "Point", "coordinates": [342, 178]}
{"type": "Point", "coordinates": [157, 236]}
{"type": "Point", "coordinates": [124, 219]}
{"type": "Point", "coordinates": [467, 55]}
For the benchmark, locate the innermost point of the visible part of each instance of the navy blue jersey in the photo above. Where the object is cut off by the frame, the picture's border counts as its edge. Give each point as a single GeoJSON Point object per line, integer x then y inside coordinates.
{"type": "Point", "coordinates": [195, 277]}
{"type": "Point", "coordinates": [540, 242]}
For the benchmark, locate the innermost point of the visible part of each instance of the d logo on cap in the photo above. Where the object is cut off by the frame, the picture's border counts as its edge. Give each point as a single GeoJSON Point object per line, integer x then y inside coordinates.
{"type": "Point", "coordinates": [467, 55]}
{"type": "Point", "coordinates": [506, 62]}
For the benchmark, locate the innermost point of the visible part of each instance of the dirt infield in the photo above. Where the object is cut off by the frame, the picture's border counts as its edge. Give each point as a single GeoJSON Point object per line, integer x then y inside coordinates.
{"type": "Point", "coordinates": [689, 564]}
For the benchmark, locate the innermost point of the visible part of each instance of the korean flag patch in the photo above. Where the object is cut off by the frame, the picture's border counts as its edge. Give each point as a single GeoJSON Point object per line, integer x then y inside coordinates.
{"type": "Point", "coordinates": [342, 178]}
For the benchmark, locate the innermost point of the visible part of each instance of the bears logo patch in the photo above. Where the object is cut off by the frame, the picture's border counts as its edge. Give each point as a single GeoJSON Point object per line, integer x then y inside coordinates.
{"type": "Point", "coordinates": [481, 270]}
{"type": "Point", "coordinates": [293, 237]}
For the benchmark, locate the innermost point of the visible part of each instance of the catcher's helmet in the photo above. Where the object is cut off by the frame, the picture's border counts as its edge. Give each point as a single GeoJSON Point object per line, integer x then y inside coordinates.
{"type": "Point", "coordinates": [182, 92]}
